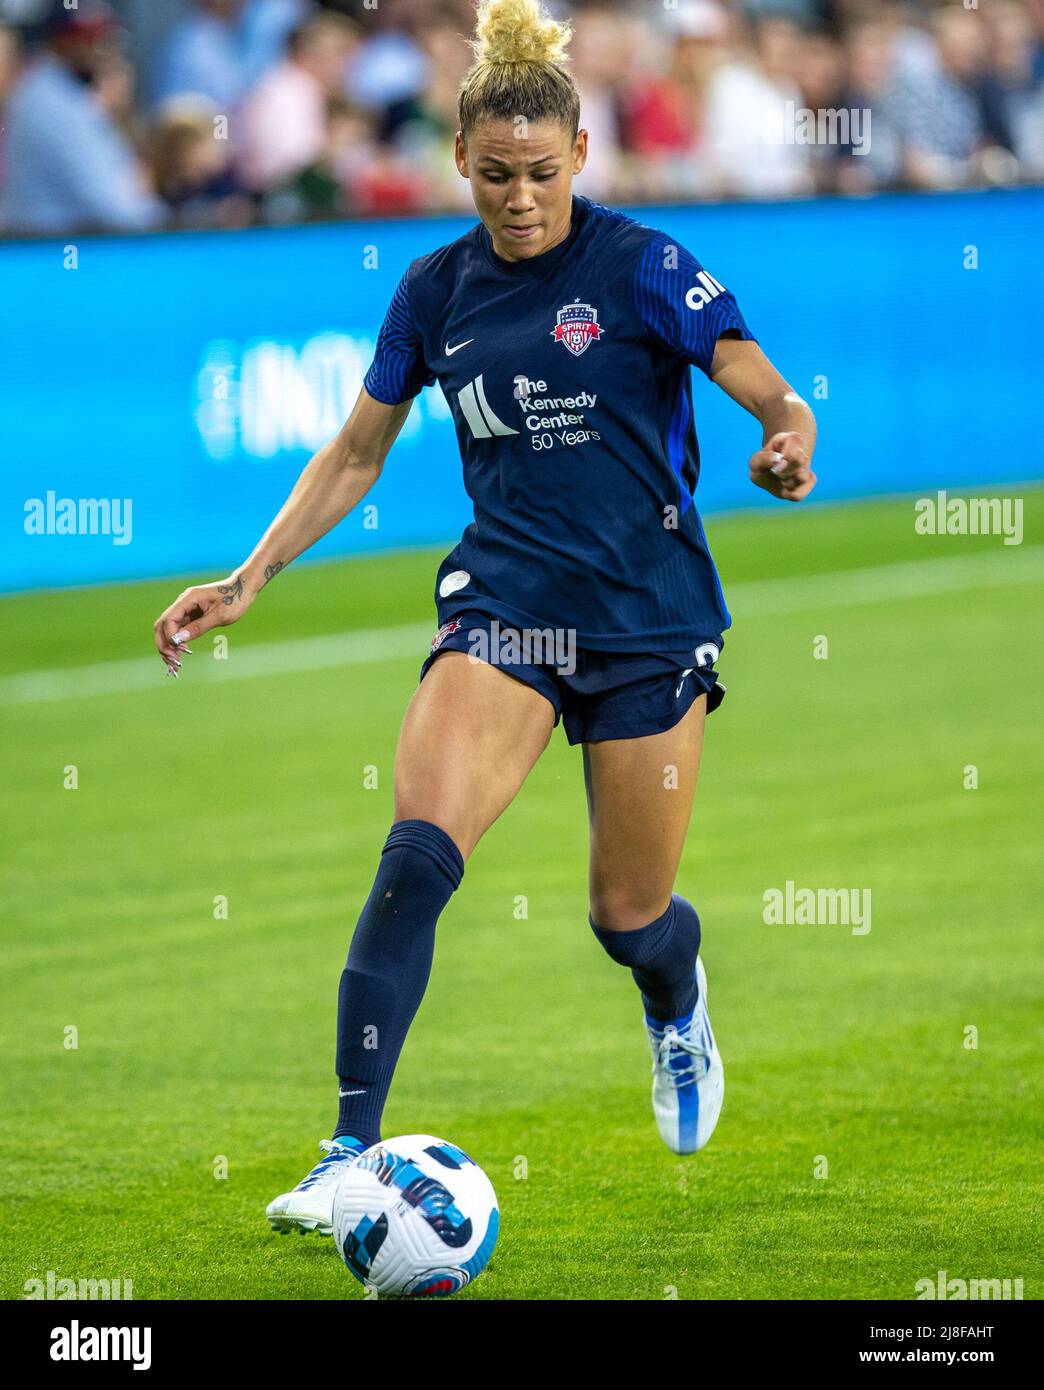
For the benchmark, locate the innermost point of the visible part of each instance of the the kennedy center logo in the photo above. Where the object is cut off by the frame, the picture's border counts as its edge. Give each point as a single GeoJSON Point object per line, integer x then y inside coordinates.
{"type": "Point", "coordinates": [577, 327]}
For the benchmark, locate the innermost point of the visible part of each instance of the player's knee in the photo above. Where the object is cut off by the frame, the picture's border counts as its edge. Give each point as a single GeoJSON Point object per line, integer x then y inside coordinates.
{"type": "Point", "coordinates": [447, 811]}
{"type": "Point", "coordinates": [624, 909]}
{"type": "Point", "coordinates": [417, 847]}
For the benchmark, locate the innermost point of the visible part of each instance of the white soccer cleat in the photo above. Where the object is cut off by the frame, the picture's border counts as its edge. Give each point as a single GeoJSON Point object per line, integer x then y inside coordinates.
{"type": "Point", "coordinates": [309, 1207]}
{"type": "Point", "coordinates": [688, 1077]}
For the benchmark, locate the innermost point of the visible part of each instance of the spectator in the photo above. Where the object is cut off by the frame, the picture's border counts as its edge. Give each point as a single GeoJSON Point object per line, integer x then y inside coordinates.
{"type": "Point", "coordinates": [599, 61]}
{"type": "Point", "coordinates": [820, 78]}
{"type": "Point", "coordinates": [192, 169]}
{"type": "Point", "coordinates": [661, 112]}
{"type": "Point", "coordinates": [351, 144]}
{"type": "Point", "coordinates": [113, 83]}
{"type": "Point", "coordinates": [1019, 88]}
{"type": "Point", "coordinates": [10, 63]}
{"type": "Point", "coordinates": [221, 48]}
{"type": "Point", "coordinates": [391, 71]}
{"type": "Point", "coordinates": [426, 138]}
{"type": "Point", "coordinates": [869, 77]}
{"type": "Point", "coordinates": [282, 127]}
{"type": "Point", "coordinates": [938, 111]}
{"type": "Point", "coordinates": [913, 51]}
{"type": "Point", "coordinates": [390, 185]}
{"type": "Point", "coordinates": [1035, 11]}
{"type": "Point", "coordinates": [324, 189]}
{"type": "Point", "coordinates": [69, 166]}
{"type": "Point", "coordinates": [748, 117]}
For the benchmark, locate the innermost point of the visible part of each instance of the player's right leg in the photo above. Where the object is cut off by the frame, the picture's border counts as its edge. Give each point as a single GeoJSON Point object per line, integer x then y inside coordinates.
{"type": "Point", "coordinates": [469, 738]}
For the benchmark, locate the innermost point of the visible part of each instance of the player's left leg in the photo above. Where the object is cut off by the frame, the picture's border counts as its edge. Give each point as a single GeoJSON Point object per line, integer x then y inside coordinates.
{"type": "Point", "coordinates": [640, 793]}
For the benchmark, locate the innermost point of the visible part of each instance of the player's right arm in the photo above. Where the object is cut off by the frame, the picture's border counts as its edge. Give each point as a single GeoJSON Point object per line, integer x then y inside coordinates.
{"type": "Point", "coordinates": [336, 478]}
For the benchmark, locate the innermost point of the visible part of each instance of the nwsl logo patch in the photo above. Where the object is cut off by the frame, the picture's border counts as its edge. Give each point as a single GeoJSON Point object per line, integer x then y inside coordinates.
{"type": "Point", "coordinates": [577, 327]}
{"type": "Point", "coordinates": [443, 632]}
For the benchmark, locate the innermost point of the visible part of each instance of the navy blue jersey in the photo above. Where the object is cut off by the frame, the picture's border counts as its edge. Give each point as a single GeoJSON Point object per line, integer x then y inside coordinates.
{"type": "Point", "coordinates": [568, 378]}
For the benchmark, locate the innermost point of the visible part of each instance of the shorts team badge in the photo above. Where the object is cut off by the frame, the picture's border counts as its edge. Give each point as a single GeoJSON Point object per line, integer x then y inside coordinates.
{"type": "Point", "coordinates": [577, 327]}
{"type": "Point", "coordinates": [443, 632]}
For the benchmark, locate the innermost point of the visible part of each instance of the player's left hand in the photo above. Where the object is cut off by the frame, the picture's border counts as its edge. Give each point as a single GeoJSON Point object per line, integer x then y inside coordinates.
{"type": "Point", "coordinates": [783, 467]}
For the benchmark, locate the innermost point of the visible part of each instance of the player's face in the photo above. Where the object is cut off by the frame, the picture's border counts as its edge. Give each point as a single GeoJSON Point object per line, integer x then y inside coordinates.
{"type": "Point", "coordinates": [522, 182]}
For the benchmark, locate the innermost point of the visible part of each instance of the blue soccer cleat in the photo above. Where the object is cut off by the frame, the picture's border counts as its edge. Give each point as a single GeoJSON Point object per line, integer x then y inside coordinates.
{"type": "Point", "coordinates": [688, 1077]}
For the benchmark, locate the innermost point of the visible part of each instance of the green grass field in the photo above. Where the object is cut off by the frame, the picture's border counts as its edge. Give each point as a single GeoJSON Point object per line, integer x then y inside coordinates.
{"type": "Point", "coordinates": [202, 1039]}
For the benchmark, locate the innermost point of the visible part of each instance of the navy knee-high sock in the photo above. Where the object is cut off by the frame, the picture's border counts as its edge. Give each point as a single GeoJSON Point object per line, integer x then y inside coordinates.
{"type": "Point", "coordinates": [662, 957]}
{"type": "Point", "coordinates": [387, 970]}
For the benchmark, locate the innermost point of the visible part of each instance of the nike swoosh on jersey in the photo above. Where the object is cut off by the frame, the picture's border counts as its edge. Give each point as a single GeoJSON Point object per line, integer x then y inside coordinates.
{"type": "Point", "coordinates": [351, 1093]}
{"type": "Point", "coordinates": [457, 346]}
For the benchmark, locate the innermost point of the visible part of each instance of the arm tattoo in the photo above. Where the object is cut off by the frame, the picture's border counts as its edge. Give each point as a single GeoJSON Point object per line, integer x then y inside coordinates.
{"type": "Point", "coordinates": [230, 592]}
{"type": "Point", "coordinates": [272, 570]}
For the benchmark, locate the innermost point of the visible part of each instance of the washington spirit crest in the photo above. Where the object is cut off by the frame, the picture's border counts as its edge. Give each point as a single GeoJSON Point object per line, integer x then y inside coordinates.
{"type": "Point", "coordinates": [577, 327]}
{"type": "Point", "coordinates": [443, 632]}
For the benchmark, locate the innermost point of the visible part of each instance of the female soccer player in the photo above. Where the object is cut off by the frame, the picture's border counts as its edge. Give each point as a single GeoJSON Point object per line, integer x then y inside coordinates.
{"type": "Point", "coordinates": [561, 334]}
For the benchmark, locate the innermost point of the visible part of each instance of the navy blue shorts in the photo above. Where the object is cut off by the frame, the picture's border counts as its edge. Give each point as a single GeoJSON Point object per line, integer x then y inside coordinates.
{"type": "Point", "coordinates": [597, 695]}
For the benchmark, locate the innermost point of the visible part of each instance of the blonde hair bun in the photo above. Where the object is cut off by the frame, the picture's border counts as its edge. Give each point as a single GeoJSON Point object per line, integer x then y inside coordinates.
{"type": "Point", "coordinates": [518, 31]}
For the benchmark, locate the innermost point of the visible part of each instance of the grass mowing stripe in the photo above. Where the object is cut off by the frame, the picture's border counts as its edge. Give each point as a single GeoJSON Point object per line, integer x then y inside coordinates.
{"type": "Point", "coordinates": [265, 659]}
{"type": "Point", "coordinates": [751, 599]}
{"type": "Point", "coordinates": [883, 583]}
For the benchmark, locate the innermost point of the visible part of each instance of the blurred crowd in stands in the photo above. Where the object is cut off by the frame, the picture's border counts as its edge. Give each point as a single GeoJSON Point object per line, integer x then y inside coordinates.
{"type": "Point", "coordinates": [234, 112]}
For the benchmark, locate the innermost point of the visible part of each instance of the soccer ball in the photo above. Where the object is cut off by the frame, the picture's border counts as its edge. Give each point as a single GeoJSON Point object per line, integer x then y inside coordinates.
{"type": "Point", "coordinates": [415, 1216]}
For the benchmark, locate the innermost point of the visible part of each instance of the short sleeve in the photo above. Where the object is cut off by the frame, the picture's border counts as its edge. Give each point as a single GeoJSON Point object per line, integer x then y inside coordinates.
{"type": "Point", "coordinates": [398, 370]}
{"type": "Point", "coordinates": [682, 306]}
